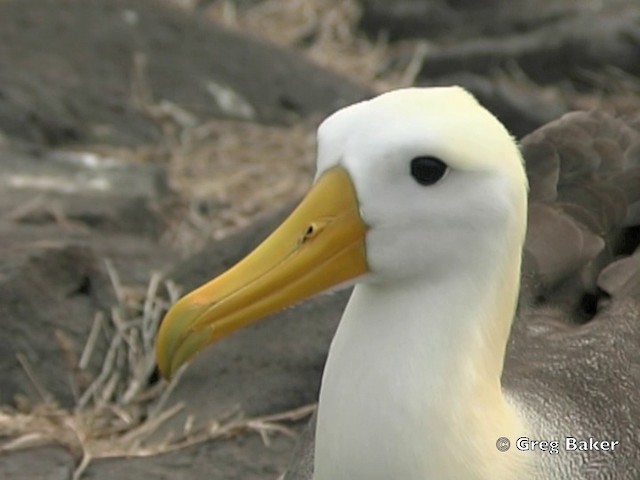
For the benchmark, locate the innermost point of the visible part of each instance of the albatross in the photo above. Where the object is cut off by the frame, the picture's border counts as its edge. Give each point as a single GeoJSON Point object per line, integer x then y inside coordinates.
{"type": "Point", "coordinates": [469, 348]}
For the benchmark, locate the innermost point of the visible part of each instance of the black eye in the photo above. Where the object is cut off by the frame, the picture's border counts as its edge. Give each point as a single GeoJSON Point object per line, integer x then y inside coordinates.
{"type": "Point", "coordinates": [427, 170]}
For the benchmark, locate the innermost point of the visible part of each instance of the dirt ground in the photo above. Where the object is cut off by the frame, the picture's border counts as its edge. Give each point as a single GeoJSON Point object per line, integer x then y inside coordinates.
{"type": "Point", "coordinates": [146, 145]}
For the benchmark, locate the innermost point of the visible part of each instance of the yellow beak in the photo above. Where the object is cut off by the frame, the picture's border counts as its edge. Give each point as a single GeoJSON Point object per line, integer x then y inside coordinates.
{"type": "Point", "coordinates": [320, 245]}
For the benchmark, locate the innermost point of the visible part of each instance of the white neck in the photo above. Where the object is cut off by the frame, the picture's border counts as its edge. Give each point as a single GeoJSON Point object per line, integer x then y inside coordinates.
{"type": "Point", "coordinates": [411, 388]}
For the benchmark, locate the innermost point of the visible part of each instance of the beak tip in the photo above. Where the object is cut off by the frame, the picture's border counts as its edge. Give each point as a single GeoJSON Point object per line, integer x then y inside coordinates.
{"type": "Point", "coordinates": [161, 363]}
{"type": "Point", "coordinates": [178, 340]}
{"type": "Point", "coordinates": [168, 340]}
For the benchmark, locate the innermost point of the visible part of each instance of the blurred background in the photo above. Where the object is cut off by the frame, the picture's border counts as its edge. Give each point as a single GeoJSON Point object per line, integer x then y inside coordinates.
{"type": "Point", "coordinates": [146, 145]}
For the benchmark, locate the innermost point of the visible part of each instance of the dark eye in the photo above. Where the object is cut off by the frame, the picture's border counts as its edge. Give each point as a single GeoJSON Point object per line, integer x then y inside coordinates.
{"type": "Point", "coordinates": [427, 170]}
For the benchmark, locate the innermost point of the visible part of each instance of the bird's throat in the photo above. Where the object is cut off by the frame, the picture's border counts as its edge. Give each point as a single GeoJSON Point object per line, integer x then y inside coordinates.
{"type": "Point", "coordinates": [412, 389]}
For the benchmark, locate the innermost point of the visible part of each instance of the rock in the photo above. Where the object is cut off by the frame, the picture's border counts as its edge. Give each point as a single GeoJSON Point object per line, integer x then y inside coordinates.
{"type": "Point", "coordinates": [548, 41]}
{"type": "Point", "coordinates": [157, 66]}
{"type": "Point", "coordinates": [470, 19]}
{"type": "Point", "coordinates": [301, 464]}
{"type": "Point", "coordinates": [61, 215]}
{"type": "Point", "coordinates": [571, 49]}
{"type": "Point", "coordinates": [47, 289]}
{"type": "Point", "coordinates": [43, 463]}
{"type": "Point", "coordinates": [83, 190]}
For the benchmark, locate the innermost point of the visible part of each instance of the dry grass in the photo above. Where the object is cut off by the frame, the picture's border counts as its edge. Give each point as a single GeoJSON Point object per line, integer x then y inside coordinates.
{"type": "Point", "coordinates": [231, 172]}
{"type": "Point", "coordinates": [323, 30]}
{"type": "Point", "coordinates": [119, 409]}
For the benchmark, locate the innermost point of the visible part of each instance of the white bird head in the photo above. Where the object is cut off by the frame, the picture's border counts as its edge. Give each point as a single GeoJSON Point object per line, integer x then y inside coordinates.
{"type": "Point", "coordinates": [437, 177]}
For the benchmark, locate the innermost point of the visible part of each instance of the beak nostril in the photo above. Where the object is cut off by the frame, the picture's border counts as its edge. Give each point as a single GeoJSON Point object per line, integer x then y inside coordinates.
{"type": "Point", "coordinates": [313, 229]}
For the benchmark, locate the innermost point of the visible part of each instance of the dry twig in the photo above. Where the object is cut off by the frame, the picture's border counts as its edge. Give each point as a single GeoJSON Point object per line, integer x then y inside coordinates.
{"type": "Point", "coordinates": [121, 409]}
